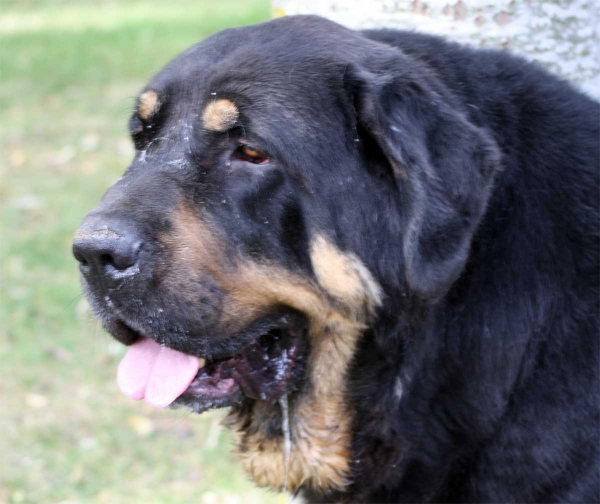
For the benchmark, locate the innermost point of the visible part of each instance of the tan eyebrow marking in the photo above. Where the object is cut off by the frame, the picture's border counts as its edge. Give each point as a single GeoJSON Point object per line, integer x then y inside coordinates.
{"type": "Point", "coordinates": [148, 104]}
{"type": "Point", "coordinates": [220, 115]}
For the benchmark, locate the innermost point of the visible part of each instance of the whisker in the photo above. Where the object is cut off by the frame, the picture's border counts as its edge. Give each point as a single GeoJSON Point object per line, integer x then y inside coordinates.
{"type": "Point", "coordinates": [72, 302]}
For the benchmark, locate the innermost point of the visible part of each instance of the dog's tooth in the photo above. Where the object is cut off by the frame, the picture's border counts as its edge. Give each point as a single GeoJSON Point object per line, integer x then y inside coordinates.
{"type": "Point", "coordinates": [202, 362]}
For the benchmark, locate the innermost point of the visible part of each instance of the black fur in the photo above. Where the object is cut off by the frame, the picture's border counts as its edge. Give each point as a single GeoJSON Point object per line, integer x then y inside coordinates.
{"type": "Point", "coordinates": [467, 182]}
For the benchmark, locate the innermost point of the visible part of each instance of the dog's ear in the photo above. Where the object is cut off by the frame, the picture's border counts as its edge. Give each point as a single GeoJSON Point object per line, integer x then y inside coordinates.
{"type": "Point", "coordinates": [443, 164]}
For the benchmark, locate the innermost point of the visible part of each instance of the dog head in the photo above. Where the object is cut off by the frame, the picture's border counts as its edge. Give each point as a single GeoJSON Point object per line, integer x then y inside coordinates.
{"type": "Point", "coordinates": [290, 179]}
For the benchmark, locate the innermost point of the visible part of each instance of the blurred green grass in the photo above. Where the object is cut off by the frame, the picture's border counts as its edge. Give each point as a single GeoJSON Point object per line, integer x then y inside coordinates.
{"type": "Point", "coordinates": [68, 74]}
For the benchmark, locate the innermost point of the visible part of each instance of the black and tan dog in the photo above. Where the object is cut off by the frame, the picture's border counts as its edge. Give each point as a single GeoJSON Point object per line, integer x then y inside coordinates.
{"type": "Point", "coordinates": [397, 234]}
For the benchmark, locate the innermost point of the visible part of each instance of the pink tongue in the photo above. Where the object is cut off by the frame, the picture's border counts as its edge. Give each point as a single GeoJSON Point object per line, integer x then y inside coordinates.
{"type": "Point", "coordinates": [156, 373]}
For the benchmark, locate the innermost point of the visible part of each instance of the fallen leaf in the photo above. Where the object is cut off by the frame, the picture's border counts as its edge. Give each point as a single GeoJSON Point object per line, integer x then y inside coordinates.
{"type": "Point", "coordinates": [210, 498]}
{"type": "Point", "coordinates": [16, 158]}
{"type": "Point", "coordinates": [36, 401]}
{"type": "Point", "coordinates": [141, 425]}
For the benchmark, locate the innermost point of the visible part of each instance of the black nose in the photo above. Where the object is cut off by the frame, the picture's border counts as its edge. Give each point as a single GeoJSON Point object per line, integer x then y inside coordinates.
{"type": "Point", "coordinates": [109, 247]}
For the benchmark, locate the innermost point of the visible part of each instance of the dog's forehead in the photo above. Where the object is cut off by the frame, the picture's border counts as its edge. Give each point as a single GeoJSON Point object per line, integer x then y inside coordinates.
{"type": "Point", "coordinates": [282, 82]}
{"type": "Point", "coordinates": [275, 60]}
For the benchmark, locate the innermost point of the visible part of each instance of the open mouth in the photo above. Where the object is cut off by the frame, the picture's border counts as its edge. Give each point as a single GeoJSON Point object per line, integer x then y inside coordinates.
{"type": "Point", "coordinates": [269, 367]}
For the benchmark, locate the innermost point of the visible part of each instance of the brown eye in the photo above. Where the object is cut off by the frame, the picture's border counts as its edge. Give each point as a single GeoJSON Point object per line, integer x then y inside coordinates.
{"type": "Point", "coordinates": [246, 153]}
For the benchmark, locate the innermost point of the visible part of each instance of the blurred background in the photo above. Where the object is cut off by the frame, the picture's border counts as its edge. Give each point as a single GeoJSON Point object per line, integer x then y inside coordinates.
{"type": "Point", "coordinates": [69, 71]}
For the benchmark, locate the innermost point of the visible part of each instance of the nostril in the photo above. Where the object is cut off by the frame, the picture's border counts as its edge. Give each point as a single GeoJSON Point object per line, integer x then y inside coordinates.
{"type": "Point", "coordinates": [107, 259]}
{"type": "Point", "coordinates": [111, 251]}
{"type": "Point", "coordinates": [79, 256]}
{"type": "Point", "coordinates": [120, 258]}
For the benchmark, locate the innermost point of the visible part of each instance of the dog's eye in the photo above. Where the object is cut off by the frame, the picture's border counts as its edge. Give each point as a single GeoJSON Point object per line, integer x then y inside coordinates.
{"type": "Point", "coordinates": [247, 153]}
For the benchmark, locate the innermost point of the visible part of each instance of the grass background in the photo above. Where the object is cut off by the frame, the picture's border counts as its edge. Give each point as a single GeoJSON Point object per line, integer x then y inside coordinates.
{"type": "Point", "coordinates": [68, 73]}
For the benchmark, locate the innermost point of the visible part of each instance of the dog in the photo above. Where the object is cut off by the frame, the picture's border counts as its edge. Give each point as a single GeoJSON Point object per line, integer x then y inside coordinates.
{"type": "Point", "coordinates": [381, 239]}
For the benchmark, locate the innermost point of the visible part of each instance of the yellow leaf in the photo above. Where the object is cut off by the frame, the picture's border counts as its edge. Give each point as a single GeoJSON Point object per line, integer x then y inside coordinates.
{"type": "Point", "coordinates": [141, 425]}
{"type": "Point", "coordinates": [36, 401]}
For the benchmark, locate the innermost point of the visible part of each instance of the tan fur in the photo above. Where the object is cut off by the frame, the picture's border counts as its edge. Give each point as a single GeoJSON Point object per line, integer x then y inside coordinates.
{"type": "Point", "coordinates": [194, 242]}
{"type": "Point", "coordinates": [320, 452]}
{"type": "Point", "coordinates": [335, 271]}
{"type": "Point", "coordinates": [220, 115]}
{"type": "Point", "coordinates": [148, 104]}
{"type": "Point", "coordinates": [337, 309]}
{"type": "Point", "coordinates": [321, 422]}
{"type": "Point", "coordinates": [343, 275]}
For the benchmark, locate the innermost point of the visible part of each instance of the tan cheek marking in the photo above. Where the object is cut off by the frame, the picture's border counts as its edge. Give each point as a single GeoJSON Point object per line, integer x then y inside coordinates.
{"type": "Point", "coordinates": [333, 335]}
{"type": "Point", "coordinates": [320, 427]}
{"type": "Point", "coordinates": [220, 115]}
{"type": "Point", "coordinates": [320, 452]}
{"type": "Point", "coordinates": [343, 275]}
{"type": "Point", "coordinates": [195, 251]}
{"type": "Point", "coordinates": [321, 420]}
{"type": "Point", "coordinates": [196, 248]}
{"type": "Point", "coordinates": [255, 289]}
{"type": "Point", "coordinates": [332, 351]}
{"type": "Point", "coordinates": [194, 243]}
{"type": "Point", "coordinates": [148, 104]}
